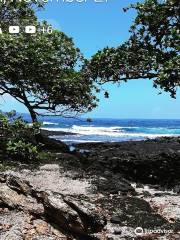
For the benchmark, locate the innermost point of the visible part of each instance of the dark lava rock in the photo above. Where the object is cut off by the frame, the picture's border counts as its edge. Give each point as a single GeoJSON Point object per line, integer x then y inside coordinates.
{"type": "Point", "coordinates": [113, 185]}
{"type": "Point", "coordinates": [139, 185]}
{"type": "Point", "coordinates": [177, 189]}
{"type": "Point", "coordinates": [117, 231]}
{"type": "Point", "coordinates": [116, 219]}
{"type": "Point", "coordinates": [133, 212]}
{"type": "Point", "coordinates": [52, 144]}
{"type": "Point", "coordinates": [147, 162]}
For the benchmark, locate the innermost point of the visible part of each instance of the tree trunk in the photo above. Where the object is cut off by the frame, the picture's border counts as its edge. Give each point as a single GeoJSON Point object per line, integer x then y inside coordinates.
{"type": "Point", "coordinates": [48, 143]}
{"type": "Point", "coordinates": [33, 115]}
{"type": "Point", "coordinates": [30, 109]}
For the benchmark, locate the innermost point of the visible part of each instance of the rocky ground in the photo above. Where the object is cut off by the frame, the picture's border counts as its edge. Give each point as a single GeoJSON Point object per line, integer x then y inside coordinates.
{"type": "Point", "coordinates": [100, 191]}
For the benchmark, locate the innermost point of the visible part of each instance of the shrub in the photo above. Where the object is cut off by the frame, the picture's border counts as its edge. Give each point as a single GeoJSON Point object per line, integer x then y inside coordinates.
{"type": "Point", "coordinates": [18, 138]}
{"type": "Point", "coordinates": [20, 149]}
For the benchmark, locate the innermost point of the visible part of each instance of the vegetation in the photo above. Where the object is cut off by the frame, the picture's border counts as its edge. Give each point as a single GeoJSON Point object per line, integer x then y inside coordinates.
{"type": "Point", "coordinates": [41, 75]}
{"type": "Point", "coordinates": [18, 12]}
{"type": "Point", "coordinates": [49, 75]}
{"type": "Point", "coordinates": [152, 51]}
{"type": "Point", "coordinates": [43, 71]}
{"type": "Point", "coordinates": [18, 139]}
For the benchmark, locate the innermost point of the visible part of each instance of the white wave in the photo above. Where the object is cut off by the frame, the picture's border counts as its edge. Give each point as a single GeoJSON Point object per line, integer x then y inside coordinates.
{"type": "Point", "coordinates": [49, 123]}
{"type": "Point", "coordinates": [56, 129]}
{"type": "Point", "coordinates": [95, 130]}
{"type": "Point", "coordinates": [108, 131]}
{"type": "Point", "coordinates": [126, 127]}
{"type": "Point", "coordinates": [79, 141]}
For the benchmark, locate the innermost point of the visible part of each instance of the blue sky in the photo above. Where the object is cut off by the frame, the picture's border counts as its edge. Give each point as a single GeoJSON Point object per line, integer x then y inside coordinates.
{"type": "Point", "coordinates": [94, 26]}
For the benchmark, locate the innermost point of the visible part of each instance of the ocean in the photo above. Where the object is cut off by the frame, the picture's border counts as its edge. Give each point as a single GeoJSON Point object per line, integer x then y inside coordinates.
{"type": "Point", "coordinates": [109, 130]}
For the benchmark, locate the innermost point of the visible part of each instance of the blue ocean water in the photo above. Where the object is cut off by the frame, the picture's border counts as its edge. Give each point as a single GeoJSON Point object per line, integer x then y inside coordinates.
{"type": "Point", "coordinates": [113, 130]}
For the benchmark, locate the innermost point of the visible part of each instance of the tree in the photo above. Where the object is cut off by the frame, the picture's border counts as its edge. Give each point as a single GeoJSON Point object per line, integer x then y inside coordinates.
{"type": "Point", "coordinates": [43, 71]}
{"type": "Point", "coordinates": [152, 51]}
{"type": "Point", "coordinates": [18, 12]}
{"type": "Point", "coordinates": [15, 12]}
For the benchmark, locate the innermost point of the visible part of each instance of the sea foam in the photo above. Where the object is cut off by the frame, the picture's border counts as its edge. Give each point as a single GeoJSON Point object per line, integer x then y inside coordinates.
{"type": "Point", "coordinates": [115, 131]}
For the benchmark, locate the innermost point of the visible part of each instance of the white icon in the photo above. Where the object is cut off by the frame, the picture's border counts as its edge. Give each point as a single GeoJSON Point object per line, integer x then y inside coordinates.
{"type": "Point", "coordinates": [139, 231]}
{"type": "Point", "coordinates": [0, 31]}
{"type": "Point", "coordinates": [30, 29]}
{"type": "Point", "coordinates": [14, 29]}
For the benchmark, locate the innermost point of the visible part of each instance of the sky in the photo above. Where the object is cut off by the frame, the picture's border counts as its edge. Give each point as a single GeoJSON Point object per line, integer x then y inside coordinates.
{"type": "Point", "coordinates": [94, 26]}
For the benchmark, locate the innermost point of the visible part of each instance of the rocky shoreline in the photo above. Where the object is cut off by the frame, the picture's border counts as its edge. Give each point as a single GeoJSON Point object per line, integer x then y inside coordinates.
{"type": "Point", "coordinates": [150, 162]}
{"type": "Point", "coordinates": [99, 191]}
{"type": "Point", "coordinates": [49, 133]}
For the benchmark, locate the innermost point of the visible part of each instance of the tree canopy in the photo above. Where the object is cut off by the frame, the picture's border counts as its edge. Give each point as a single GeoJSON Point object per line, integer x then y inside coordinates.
{"type": "Point", "coordinates": [43, 71]}
{"type": "Point", "coordinates": [47, 72]}
{"type": "Point", "coordinates": [151, 52]}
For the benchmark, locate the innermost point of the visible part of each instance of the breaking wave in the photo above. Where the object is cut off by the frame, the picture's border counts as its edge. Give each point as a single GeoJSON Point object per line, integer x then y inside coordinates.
{"type": "Point", "coordinates": [49, 123]}
{"type": "Point", "coordinates": [117, 131]}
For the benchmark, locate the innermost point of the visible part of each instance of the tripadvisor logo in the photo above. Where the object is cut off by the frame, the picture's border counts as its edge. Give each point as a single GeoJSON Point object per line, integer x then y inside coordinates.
{"type": "Point", "coordinates": [140, 231]}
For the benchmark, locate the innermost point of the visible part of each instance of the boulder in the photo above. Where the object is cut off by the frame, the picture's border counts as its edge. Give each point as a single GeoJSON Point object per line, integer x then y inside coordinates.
{"type": "Point", "coordinates": [14, 200]}
{"type": "Point", "coordinates": [93, 220]}
{"type": "Point", "coordinates": [60, 213]}
{"type": "Point", "coordinates": [73, 215]}
{"type": "Point", "coordinates": [114, 185]}
{"type": "Point", "coordinates": [20, 185]}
